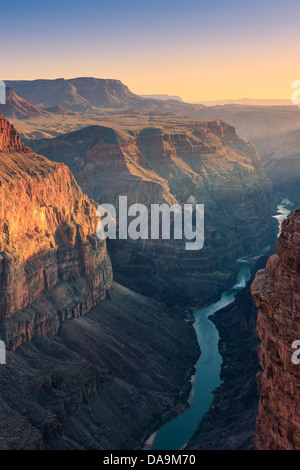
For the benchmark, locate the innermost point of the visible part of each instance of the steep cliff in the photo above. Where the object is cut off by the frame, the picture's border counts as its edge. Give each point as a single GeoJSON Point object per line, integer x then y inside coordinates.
{"type": "Point", "coordinates": [205, 162]}
{"type": "Point", "coordinates": [280, 154]}
{"type": "Point", "coordinates": [230, 422]}
{"type": "Point", "coordinates": [276, 293]}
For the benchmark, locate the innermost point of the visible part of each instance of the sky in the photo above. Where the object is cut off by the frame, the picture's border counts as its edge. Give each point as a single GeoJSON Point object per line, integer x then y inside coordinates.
{"type": "Point", "coordinates": [200, 50]}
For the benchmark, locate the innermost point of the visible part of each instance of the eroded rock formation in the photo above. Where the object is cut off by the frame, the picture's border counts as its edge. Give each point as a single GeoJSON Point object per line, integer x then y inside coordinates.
{"type": "Point", "coordinates": [204, 162]}
{"type": "Point", "coordinates": [276, 292]}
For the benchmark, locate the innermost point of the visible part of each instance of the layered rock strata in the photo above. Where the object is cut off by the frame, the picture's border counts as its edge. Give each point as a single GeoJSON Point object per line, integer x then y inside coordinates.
{"type": "Point", "coordinates": [47, 244]}
{"type": "Point", "coordinates": [90, 364]}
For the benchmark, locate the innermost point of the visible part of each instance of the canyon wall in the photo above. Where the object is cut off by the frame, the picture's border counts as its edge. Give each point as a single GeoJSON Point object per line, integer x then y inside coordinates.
{"type": "Point", "coordinates": [276, 292]}
{"type": "Point", "coordinates": [106, 380]}
{"type": "Point", "coordinates": [204, 162]}
{"type": "Point", "coordinates": [89, 364]}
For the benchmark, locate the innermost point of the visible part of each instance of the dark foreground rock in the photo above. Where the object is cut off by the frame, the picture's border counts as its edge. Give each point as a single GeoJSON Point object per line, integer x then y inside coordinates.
{"type": "Point", "coordinates": [203, 162]}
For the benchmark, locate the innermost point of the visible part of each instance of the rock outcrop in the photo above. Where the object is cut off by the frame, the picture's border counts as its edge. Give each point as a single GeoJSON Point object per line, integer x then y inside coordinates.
{"type": "Point", "coordinates": [89, 94]}
{"type": "Point", "coordinates": [18, 108]}
{"type": "Point", "coordinates": [229, 424]}
{"type": "Point", "coordinates": [276, 292]}
{"type": "Point", "coordinates": [204, 162]}
{"type": "Point", "coordinates": [90, 364]}
{"type": "Point", "coordinates": [48, 246]}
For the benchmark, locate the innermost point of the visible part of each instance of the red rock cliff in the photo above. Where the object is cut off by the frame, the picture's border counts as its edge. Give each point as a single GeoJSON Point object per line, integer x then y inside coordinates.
{"type": "Point", "coordinates": [276, 292]}
{"type": "Point", "coordinates": [49, 253]}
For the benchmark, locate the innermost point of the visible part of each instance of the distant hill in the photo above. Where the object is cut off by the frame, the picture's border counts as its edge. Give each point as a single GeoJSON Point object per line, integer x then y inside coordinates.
{"type": "Point", "coordinates": [248, 102]}
{"type": "Point", "coordinates": [163, 97]}
{"type": "Point", "coordinates": [60, 110]}
{"type": "Point", "coordinates": [94, 95]}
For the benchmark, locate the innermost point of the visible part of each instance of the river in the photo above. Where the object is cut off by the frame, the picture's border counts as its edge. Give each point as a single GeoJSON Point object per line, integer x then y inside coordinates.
{"type": "Point", "coordinates": [177, 432]}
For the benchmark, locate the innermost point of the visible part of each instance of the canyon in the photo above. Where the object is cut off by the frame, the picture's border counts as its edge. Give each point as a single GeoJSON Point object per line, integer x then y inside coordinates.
{"type": "Point", "coordinates": [77, 369]}
{"type": "Point", "coordinates": [272, 127]}
{"type": "Point", "coordinates": [275, 290]}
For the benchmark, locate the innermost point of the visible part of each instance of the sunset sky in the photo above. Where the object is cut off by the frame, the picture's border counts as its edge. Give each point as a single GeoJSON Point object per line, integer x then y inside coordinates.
{"type": "Point", "coordinates": [200, 50]}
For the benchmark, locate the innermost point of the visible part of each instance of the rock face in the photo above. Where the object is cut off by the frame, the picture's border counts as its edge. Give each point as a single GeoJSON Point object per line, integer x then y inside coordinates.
{"type": "Point", "coordinates": [18, 108]}
{"type": "Point", "coordinates": [206, 162]}
{"type": "Point", "coordinates": [276, 293]}
{"type": "Point", "coordinates": [255, 122]}
{"type": "Point", "coordinates": [230, 422]}
{"type": "Point", "coordinates": [9, 138]}
{"type": "Point", "coordinates": [47, 242]}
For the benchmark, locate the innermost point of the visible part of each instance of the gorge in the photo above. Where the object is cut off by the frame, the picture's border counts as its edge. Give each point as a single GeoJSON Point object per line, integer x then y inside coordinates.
{"type": "Point", "coordinates": [186, 427]}
{"type": "Point", "coordinates": [76, 359]}
{"type": "Point", "coordinates": [204, 161]}
{"type": "Point", "coordinates": [88, 331]}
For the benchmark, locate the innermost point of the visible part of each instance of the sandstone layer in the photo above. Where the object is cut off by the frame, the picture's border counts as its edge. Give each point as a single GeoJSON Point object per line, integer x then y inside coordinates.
{"type": "Point", "coordinates": [276, 292]}
{"type": "Point", "coordinates": [90, 364]}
